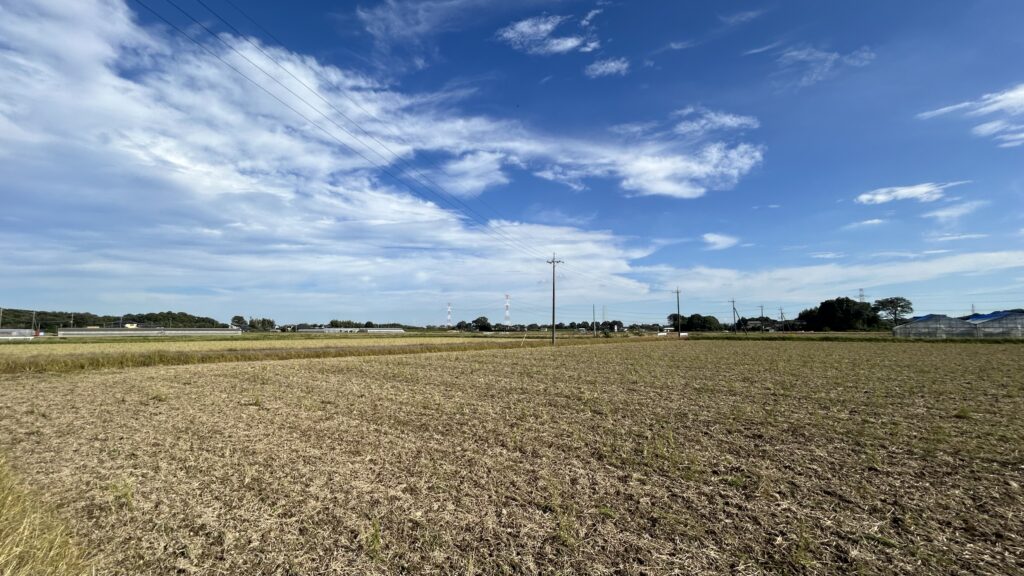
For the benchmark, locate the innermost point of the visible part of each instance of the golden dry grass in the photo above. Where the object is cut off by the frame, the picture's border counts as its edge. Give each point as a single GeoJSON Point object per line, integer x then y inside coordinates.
{"type": "Point", "coordinates": [125, 353]}
{"type": "Point", "coordinates": [43, 348]}
{"type": "Point", "coordinates": [32, 542]}
{"type": "Point", "coordinates": [701, 457]}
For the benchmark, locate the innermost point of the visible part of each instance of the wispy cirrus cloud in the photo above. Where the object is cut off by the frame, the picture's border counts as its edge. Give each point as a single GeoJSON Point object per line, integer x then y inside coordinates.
{"type": "Point", "coordinates": [764, 48]}
{"type": "Point", "coordinates": [608, 67]}
{"type": "Point", "coordinates": [675, 46]}
{"type": "Point", "coordinates": [806, 65]}
{"type": "Point", "coordinates": [1007, 129]}
{"type": "Point", "coordinates": [404, 31]}
{"type": "Point", "coordinates": [741, 17]}
{"type": "Point", "coordinates": [827, 255]}
{"type": "Point", "coordinates": [700, 121]}
{"type": "Point", "coordinates": [864, 224]}
{"type": "Point", "coordinates": [715, 241]}
{"type": "Point", "coordinates": [588, 20]}
{"type": "Point", "coordinates": [926, 192]}
{"type": "Point", "coordinates": [536, 36]}
{"type": "Point", "coordinates": [954, 237]}
{"type": "Point", "coordinates": [954, 212]}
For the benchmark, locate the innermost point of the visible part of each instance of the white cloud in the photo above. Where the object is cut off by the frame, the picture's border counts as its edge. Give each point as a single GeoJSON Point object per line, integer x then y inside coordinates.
{"type": "Point", "coordinates": [589, 18]}
{"type": "Point", "coordinates": [700, 121]}
{"type": "Point", "coordinates": [473, 173]}
{"type": "Point", "coordinates": [927, 192]}
{"type": "Point", "coordinates": [864, 224]}
{"type": "Point", "coordinates": [741, 17]}
{"type": "Point", "coordinates": [403, 31]}
{"type": "Point", "coordinates": [570, 177]}
{"type": "Point", "coordinates": [681, 44]}
{"type": "Point", "coordinates": [955, 237]}
{"type": "Point", "coordinates": [764, 48]}
{"type": "Point", "coordinates": [719, 241]}
{"type": "Point", "coordinates": [681, 177]}
{"type": "Point", "coordinates": [558, 217]}
{"type": "Point", "coordinates": [954, 212]}
{"type": "Point", "coordinates": [608, 67]}
{"type": "Point", "coordinates": [535, 36]}
{"type": "Point", "coordinates": [827, 255]}
{"type": "Point", "coordinates": [227, 198]}
{"type": "Point", "coordinates": [1006, 104]}
{"type": "Point", "coordinates": [810, 284]}
{"type": "Point", "coordinates": [810, 65]}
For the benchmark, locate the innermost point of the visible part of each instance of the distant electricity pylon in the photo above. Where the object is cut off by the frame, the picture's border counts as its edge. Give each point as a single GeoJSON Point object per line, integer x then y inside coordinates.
{"type": "Point", "coordinates": [449, 322]}
{"type": "Point", "coordinates": [860, 294]}
{"type": "Point", "coordinates": [554, 262]}
{"type": "Point", "coordinates": [508, 310]}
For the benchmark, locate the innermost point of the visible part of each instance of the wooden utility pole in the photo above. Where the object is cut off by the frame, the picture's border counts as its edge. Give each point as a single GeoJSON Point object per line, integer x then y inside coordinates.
{"type": "Point", "coordinates": [554, 262]}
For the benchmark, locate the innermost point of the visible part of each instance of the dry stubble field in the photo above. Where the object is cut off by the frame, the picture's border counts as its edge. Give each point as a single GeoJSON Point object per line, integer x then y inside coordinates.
{"type": "Point", "coordinates": [626, 458]}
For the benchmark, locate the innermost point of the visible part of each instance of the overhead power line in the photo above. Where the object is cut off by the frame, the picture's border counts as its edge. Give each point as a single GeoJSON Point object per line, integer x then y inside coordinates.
{"type": "Point", "coordinates": [486, 228]}
{"type": "Point", "coordinates": [424, 181]}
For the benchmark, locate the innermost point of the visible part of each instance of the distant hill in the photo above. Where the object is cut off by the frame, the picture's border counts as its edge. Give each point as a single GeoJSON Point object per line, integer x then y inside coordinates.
{"type": "Point", "coordinates": [50, 321]}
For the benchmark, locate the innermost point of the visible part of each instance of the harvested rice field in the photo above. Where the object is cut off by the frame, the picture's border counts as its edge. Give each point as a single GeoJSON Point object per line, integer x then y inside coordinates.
{"type": "Point", "coordinates": [633, 457]}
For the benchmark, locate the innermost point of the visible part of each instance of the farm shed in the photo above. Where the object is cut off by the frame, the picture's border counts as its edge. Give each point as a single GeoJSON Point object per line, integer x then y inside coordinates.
{"type": "Point", "coordinates": [935, 326]}
{"type": "Point", "coordinates": [999, 325]}
{"type": "Point", "coordinates": [16, 334]}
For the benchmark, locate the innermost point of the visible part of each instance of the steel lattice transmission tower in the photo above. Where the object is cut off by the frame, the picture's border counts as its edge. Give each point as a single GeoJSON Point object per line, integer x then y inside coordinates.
{"type": "Point", "coordinates": [508, 310]}
{"type": "Point", "coordinates": [448, 324]}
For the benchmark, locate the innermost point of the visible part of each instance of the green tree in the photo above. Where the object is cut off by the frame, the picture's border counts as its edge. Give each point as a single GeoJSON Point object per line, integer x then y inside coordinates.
{"type": "Point", "coordinates": [262, 324]}
{"type": "Point", "coordinates": [840, 315]}
{"type": "Point", "coordinates": [677, 321]}
{"type": "Point", "coordinates": [698, 323]}
{"type": "Point", "coordinates": [482, 324]}
{"type": "Point", "coordinates": [894, 308]}
{"type": "Point", "coordinates": [238, 321]}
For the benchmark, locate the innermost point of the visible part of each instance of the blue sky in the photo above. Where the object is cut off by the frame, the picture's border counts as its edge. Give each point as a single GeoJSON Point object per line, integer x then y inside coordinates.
{"type": "Point", "coordinates": [380, 160]}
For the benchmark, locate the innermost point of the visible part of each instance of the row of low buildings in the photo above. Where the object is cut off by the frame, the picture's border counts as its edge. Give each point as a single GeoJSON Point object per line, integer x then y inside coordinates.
{"type": "Point", "coordinates": [17, 334]}
{"type": "Point", "coordinates": [133, 331]}
{"type": "Point", "coordinates": [995, 325]}
{"type": "Point", "coordinates": [143, 332]}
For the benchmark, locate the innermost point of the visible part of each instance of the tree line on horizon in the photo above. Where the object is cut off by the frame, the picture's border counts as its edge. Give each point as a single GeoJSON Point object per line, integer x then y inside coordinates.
{"type": "Point", "coordinates": [50, 321]}
{"type": "Point", "coordinates": [835, 315]}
